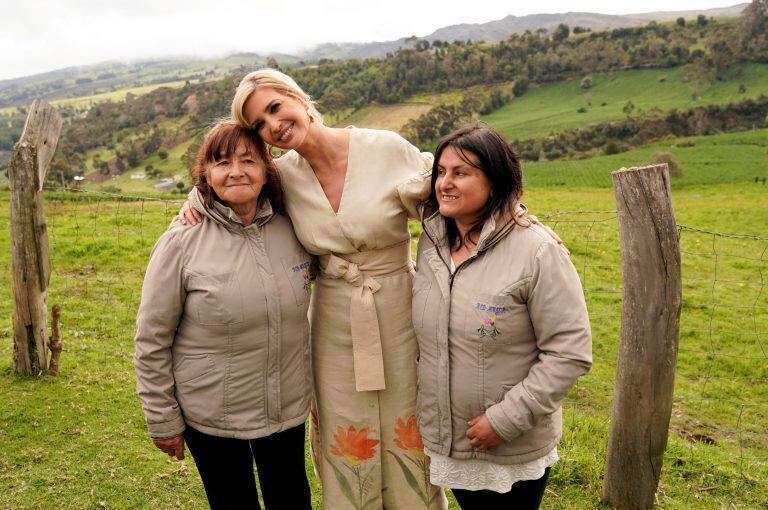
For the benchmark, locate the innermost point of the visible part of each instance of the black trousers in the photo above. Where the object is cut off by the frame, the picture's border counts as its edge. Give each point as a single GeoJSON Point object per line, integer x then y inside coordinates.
{"type": "Point", "coordinates": [524, 495]}
{"type": "Point", "coordinates": [226, 467]}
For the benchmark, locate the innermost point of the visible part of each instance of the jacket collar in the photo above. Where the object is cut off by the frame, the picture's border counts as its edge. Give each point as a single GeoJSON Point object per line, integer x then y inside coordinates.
{"type": "Point", "coordinates": [494, 229]}
{"type": "Point", "coordinates": [225, 216]}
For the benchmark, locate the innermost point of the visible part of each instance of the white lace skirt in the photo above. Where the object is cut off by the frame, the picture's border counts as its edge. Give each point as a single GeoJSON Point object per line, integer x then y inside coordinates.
{"type": "Point", "coordinates": [476, 475]}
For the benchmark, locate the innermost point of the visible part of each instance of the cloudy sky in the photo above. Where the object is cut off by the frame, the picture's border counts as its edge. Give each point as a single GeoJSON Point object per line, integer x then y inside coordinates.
{"type": "Point", "coordinates": [42, 35]}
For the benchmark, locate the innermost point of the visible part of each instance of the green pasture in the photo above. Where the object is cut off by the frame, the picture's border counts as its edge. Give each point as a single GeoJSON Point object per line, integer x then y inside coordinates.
{"type": "Point", "coordinates": [553, 108]}
{"type": "Point", "coordinates": [79, 442]}
{"type": "Point", "coordinates": [725, 158]}
{"type": "Point", "coordinates": [114, 96]}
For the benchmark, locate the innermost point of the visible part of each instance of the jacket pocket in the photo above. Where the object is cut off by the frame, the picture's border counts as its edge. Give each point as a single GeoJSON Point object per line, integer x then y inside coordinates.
{"type": "Point", "coordinates": [200, 390]}
{"type": "Point", "coordinates": [216, 299]}
{"type": "Point", "coordinates": [192, 366]}
{"type": "Point", "coordinates": [298, 272]}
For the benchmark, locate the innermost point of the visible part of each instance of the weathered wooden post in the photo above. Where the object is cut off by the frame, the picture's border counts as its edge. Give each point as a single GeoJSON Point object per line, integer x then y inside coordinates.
{"type": "Point", "coordinates": [29, 238]}
{"type": "Point", "coordinates": [650, 319]}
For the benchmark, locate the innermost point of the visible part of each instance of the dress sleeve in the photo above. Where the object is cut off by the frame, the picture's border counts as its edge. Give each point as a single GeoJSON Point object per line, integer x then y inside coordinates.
{"type": "Point", "coordinates": [162, 303]}
{"type": "Point", "coordinates": [415, 188]}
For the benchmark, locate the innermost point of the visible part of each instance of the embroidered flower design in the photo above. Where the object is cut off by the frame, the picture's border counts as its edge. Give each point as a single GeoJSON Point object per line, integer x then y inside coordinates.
{"type": "Point", "coordinates": [306, 277]}
{"type": "Point", "coordinates": [409, 437]}
{"type": "Point", "coordinates": [354, 446]}
{"type": "Point", "coordinates": [489, 327]}
{"type": "Point", "coordinates": [489, 313]}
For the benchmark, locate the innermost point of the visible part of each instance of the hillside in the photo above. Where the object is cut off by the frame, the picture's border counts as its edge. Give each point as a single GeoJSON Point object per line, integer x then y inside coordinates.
{"type": "Point", "coordinates": [108, 77]}
{"type": "Point", "coordinates": [553, 108]}
{"type": "Point", "coordinates": [546, 109]}
{"type": "Point", "coordinates": [615, 78]}
{"type": "Point", "coordinates": [499, 30]}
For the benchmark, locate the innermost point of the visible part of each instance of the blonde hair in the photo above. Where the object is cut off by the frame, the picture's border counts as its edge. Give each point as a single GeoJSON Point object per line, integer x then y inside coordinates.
{"type": "Point", "coordinates": [269, 78]}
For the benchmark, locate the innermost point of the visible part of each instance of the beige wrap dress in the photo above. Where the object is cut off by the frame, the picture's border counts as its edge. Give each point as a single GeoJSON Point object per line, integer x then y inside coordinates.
{"type": "Point", "coordinates": [366, 444]}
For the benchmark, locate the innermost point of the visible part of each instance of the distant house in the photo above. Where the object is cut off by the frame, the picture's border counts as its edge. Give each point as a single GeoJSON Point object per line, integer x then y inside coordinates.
{"type": "Point", "coordinates": [166, 184]}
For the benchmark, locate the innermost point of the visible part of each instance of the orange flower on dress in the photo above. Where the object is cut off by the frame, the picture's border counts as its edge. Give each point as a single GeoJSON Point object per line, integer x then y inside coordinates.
{"type": "Point", "coordinates": [409, 437]}
{"type": "Point", "coordinates": [353, 445]}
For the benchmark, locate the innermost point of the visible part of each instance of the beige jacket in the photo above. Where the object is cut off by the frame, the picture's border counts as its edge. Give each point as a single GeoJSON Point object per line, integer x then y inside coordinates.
{"type": "Point", "coordinates": [222, 340]}
{"type": "Point", "coordinates": [507, 335]}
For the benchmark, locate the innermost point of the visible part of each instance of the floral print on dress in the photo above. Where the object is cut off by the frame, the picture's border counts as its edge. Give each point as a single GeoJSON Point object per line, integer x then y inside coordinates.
{"type": "Point", "coordinates": [489, 314]}
{"type": "Point", "coordinates": [409, 441]}
{"type": "Point", "coordinates": [356, 449]}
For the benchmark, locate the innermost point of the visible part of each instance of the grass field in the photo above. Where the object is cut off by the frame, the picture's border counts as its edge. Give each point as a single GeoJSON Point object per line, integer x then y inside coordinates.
{"type": "Point", "coordinates": [553, 108]}
{"type": "Point", "coordinates": [726, 158]}
{"type": "Point", "coordinates": [79, 442]}
{"type": "Point", "coordinates": [86, 102]}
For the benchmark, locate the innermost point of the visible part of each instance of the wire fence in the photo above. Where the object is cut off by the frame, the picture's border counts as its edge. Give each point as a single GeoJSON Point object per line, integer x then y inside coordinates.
{"type": "Point", "coordinates": [100, 245]}
{"type": "Point", "coordinates": [719, 426]}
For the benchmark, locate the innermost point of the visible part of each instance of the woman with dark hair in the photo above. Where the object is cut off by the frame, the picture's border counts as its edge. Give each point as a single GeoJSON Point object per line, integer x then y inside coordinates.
{"type": "Point", "coordinates": [222, 340]}
{"type": "Point", "coordinates": [502, 327]}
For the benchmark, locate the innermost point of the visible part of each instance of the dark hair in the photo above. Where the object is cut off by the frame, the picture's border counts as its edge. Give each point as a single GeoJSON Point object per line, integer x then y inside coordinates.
{"type": "Point", "coordinates": [500, 164]}
{"type": "Point", "coordinates": [220, 143]}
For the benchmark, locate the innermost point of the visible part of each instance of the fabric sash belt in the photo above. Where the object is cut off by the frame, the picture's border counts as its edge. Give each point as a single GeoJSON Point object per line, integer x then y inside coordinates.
{"type": "Point", "coordinates": [361, 270]}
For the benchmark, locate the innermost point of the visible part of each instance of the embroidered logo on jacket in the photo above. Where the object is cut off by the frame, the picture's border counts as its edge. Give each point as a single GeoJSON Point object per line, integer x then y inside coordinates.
{"type": "Point", "coordinates": [304, 268]}
{"type": "Point", "coordinates": [489, 313]}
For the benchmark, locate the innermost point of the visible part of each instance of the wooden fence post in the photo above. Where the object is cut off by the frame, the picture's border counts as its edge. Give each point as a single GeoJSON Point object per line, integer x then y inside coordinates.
{"type": "Point", "coordinates": [29, 238]}
{"type": "Point", "coordinates": [650, 320]}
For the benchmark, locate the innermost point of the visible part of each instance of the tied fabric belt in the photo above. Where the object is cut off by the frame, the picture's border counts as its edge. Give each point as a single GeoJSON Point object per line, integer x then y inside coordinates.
{"type": "Point", "coordinates": [361, 270]}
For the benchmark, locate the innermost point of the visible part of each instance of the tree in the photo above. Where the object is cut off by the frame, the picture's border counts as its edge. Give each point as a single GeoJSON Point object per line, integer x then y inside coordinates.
{"type": "Point", "coordinates": [680, 22]}
{"type": "Point", "coordinates": [561, 33]}
{"type": "Point", "coordinates": [721, 55]}
{"type": "Point", "coordinates": [162, 154]}
{"type": "Point", "coordinates": [701, 20]}
{"type": "Point", "coordinates": [754, 25]}
{"type": "Point", "coordinates": [520, 87]}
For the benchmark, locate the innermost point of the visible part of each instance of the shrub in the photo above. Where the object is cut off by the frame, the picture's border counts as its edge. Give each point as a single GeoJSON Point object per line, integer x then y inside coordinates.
{"type": "Point", "coordinates": [685, 143]}
{"type": "Point", "coordinates": [612, 147]}
{"type": "Point", "coordinates": [586, 82]}
{"type": "Point", "coordinates": [675, 170]}
{"type": "Point", "coordinates": [162, 154]}
{"type": "Point", "coordinates": [582, 110]}
{"type": "Point", "coordinates": [520, 87]}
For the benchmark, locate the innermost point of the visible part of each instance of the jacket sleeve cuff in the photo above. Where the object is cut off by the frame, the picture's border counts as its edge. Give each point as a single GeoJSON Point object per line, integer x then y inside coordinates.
{"type": "Point", "coordinates": [501, 424]}
{"type": "Point", "coordinates": [167, 429]}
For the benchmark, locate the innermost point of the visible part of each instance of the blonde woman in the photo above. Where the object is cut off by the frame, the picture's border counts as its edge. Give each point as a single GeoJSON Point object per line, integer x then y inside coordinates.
{"type": "Point", "coordinates": [349, 194]}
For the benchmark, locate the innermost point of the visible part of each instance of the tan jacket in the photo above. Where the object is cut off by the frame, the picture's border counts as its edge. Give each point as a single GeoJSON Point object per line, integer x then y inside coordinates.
{"type": "Point", "coordinates": [507, 335]}
{"type": "Point", "coordinates": [222, 340]}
